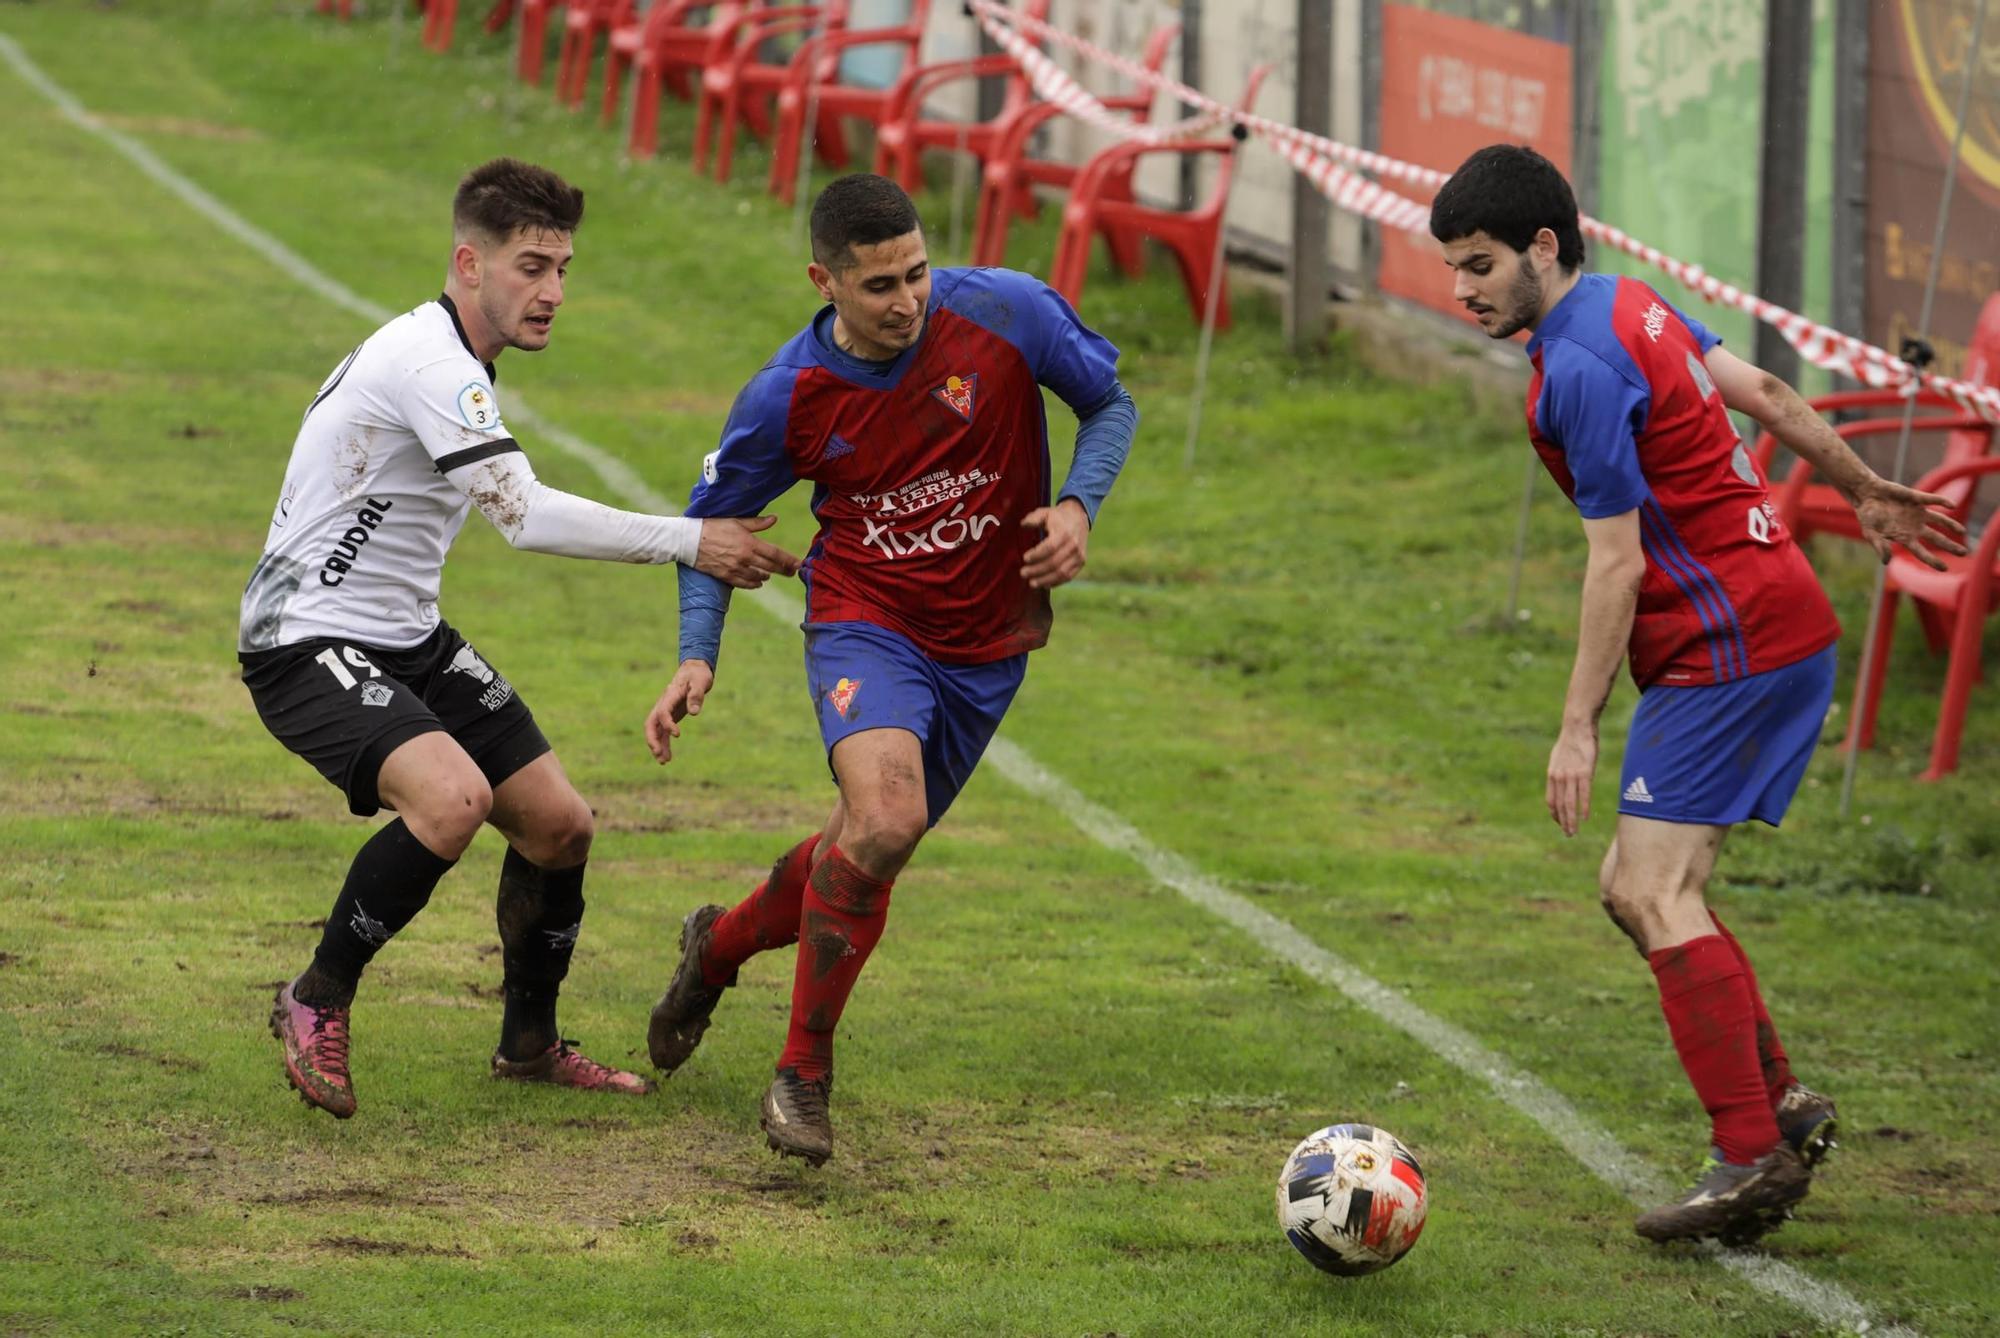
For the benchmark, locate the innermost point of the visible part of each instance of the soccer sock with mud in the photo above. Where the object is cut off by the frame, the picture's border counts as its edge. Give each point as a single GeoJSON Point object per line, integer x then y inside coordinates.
{"type": "Point", "coordinates": [844, 912]}
{"type": "Point", "coordinates": [1771, 1056]}
{"type": "Point", "coordinates": [767, 918]}
{"type": "Point", "coordinates": [540, 912]}
{"type": "Point", "coordinates": [1706, 996]}
{"type": "Point", "coordinates": [390, 880]}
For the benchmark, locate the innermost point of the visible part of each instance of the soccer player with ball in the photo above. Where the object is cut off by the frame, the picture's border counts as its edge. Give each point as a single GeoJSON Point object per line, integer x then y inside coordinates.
{"type": "Point", "coordinates": [913, 403]}
{"type": "Point", "coordinates": [1730, 638]}
{"type": "Point", "coordinates": [351, 666]}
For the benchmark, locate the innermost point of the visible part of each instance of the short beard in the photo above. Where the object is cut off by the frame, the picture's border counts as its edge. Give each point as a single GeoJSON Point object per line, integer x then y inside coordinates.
{"type": "Point", "coordinates": [1524, 299]}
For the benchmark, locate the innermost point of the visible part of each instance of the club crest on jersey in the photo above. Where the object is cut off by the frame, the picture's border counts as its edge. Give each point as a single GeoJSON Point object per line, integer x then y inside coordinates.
{"type": "Point", "coordinates": [476, 407]}
{"type": "Point", "coordinates": [956, 394]}
{"type": "Point", "coordinates": [841, 694]}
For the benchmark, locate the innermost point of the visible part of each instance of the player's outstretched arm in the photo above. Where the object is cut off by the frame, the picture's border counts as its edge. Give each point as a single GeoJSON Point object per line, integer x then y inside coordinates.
{"type": "Point", "coordinates": [536, 518]}
{"type": "Point", "coordinates": [1889, 512]}
{"type": "Point", "coordinates": [682, 699]}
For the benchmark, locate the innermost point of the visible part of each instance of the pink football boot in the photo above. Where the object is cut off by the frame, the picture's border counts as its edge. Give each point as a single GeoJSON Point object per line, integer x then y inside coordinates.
{"type": "Point", "coordinates": [315, 1041]}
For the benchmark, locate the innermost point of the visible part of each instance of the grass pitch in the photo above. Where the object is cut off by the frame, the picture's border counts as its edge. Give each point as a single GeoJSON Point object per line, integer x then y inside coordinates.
{"type": "Point", "coordinates": [1064, 1092]}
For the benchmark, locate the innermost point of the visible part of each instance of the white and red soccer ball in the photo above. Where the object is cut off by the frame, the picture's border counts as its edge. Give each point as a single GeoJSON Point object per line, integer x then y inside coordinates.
{"type": "Point", "coordinates": [1351, 1199]}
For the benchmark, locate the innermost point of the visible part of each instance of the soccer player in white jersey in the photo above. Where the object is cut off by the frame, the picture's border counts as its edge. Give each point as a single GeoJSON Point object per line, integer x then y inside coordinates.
{"type": "Point", "coordinates": [352, 668]}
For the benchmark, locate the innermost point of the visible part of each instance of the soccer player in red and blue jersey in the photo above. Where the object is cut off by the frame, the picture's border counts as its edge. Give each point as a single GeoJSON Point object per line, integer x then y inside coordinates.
{"type": "Point", "coordinates": [913, 404]}
{"type": "Point", "coordinates": [1730, 638]}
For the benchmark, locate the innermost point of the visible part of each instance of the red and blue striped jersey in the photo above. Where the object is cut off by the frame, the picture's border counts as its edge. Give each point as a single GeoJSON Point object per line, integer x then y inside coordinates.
{"type": "Point", "coordinates": [923, 466]}
{"type": "Point", "coordinates": [1624, 414]}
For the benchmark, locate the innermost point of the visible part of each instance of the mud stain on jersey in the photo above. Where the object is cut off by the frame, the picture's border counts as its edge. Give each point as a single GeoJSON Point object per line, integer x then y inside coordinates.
{"type": "Point", "coordinates": [350, 461]}
{"type": "Point", "coordinates": [497, 493]}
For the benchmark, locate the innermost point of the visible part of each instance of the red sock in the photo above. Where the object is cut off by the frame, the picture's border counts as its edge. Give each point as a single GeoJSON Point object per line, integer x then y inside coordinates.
{"type": "Point", "coordinates": [1770, 1052]}
{"type": "Point", "coordinates": [842, 921]}
{"type": "Point", "coordinates": [767, 918]}
{"type": "Point", "coordinates": [1705, 993]}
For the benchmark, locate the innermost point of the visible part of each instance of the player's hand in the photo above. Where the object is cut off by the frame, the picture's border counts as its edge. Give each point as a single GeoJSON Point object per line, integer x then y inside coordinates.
{"type": "Point", "coordinates": [682, 698]}
{"type": "Point", "coordinates": [1572, 764]}
{"type": "Point", "coordinates": [1892, 514]}
{"type": "Point", "coordinates": [731, 551]}
{"type": "Point", "coordinates": [1059, 556]}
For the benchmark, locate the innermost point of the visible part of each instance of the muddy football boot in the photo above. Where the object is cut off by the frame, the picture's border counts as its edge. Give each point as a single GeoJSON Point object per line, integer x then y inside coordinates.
{"type": "Point", "coordinates": [681, 1015]}
{"type": "Point", "coordinates": [563, 1065]}
{"type": "Point", "coordinates": [1733, 1204]}
{"type": "Point", "coordinates": [796, 1123]}
{"type": "Point", "coordinates": [1809, 1123]}
{"type": "Point", "coordinates": [315, 1041]}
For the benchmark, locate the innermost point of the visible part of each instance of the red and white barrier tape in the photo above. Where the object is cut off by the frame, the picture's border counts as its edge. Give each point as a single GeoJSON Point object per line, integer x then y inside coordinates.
{"type": "Point", "coordinates": [1055, 85]}
{"type": "Point", "coordinates": [1320, 159]}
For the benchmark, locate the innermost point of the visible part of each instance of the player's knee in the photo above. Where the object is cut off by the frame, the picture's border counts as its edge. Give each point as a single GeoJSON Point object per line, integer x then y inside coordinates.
{"type": "Point", "coordinates": [566, 842]}
{"type": "Point", "coordinates": [885, 835]}
{"type": "Point", "coordinates": [452, 813]}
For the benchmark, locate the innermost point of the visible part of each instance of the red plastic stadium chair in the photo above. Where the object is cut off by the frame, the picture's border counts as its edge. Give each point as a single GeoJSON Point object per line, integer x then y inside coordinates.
{"type": "Point", "coordinates": [1007, 182]}
{"type": "Point", "coordinates": [1814, 508]}
{"type": "Point", "coordinates": [1190, 236]}
{"type": "Point", "coordinates": [1960, 599]}
{"type": "Point", "coordinates": [343, 9]}
{"type": "Point", "coordinates": [583, 24]}
{"type": "Point", "coordinates": [903, 132]}
{"type": "Point", "coordinates": [661, 48]}
{"type": "Point", "coordinates": [737, 86]}
{"type": "Point", "coordinates": [814, 77]}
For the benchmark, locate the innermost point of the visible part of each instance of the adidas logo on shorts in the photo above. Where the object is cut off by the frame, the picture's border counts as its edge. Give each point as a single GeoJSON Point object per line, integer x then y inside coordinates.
{"type": "Point", "coordinates": [1637, 793]}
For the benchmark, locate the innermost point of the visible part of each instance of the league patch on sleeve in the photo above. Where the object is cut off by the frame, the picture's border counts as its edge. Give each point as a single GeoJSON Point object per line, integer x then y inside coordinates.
{"type": "Point", "coordinates": [708, 467]}
{"type": "Point", "coordinates": [477, 408]}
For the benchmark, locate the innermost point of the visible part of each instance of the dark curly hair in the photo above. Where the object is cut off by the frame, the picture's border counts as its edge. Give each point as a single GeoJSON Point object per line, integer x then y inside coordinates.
{"type": "Point", "coordinates": [506, 195]}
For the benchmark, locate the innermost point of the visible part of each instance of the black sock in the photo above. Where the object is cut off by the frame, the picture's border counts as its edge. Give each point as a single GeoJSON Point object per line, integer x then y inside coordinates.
{"type": "Point", "coordinates": [390, 880]}
{"type": "Point", "coordinates": [540, 911]}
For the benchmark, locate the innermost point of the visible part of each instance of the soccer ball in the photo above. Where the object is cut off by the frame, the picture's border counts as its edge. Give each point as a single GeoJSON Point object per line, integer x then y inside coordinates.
{"type": "Point", "coordinates": [1352, 1199]}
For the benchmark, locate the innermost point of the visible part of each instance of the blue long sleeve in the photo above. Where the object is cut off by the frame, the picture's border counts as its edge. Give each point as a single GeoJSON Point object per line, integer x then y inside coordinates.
{"type": "Point", "coordinates": [704, 602]}
{"type": "Point", "coordinates": [1103, 440]}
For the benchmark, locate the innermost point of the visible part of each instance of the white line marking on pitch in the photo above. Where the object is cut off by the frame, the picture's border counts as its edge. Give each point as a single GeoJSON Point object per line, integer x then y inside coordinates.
{"type": "Point", "coordinates": [1593, 1147]}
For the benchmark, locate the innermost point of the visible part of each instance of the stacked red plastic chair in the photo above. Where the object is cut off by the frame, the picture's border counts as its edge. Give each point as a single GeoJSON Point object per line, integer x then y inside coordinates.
{"type": "Point", "coordinates": [1190, 236]}
{"type": "Point", "coordinates": [1009, 175]}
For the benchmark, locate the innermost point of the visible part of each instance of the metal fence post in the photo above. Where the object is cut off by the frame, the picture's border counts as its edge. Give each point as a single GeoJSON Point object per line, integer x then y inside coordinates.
{"type": "Point", "coordinates": [1850, 166]}
{"type": "Point", "coordinates": [1305, 307]}
{"type": "Point", "coordinates": [1781, 176]}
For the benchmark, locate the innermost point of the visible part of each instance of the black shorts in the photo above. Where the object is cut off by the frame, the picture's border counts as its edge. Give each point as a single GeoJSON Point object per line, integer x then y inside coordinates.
{"type": "Point", "coordinates": [345, 706]}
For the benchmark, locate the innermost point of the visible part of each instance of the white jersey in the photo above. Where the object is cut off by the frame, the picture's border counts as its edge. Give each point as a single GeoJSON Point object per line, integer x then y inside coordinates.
{"type": "Point", "coordinates": [357, 545]}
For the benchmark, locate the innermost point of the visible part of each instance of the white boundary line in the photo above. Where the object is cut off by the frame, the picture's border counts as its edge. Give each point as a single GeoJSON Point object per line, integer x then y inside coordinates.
{"type": "Point", "coordinates": [1594, 1148]}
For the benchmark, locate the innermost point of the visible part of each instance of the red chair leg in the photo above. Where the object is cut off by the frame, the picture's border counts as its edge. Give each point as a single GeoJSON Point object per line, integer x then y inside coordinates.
{"type": "Point", "coordinates": [528, 62]}
{"type": "Point", "coordinates": [1195, 256]}
{"type": "Point", "coordinates": [1959, 676]}
{"type": "Point", "coordinates": [832, 144]}
{"type": "Point", "coordinates": [785, 149]}
{"type": "Point", "coordinates": [704, 128]}
{"type": "Point", "coordinates": [725, 144]}
{"type": "Point", "coordinates": [615, 62]}
{"type": "Point", "coordinates": [438, 20]}
{"type": "Point", "coordinates": [989, 219]}
{"type": "Point", "coordinates": [1128, 250]}
{"type": "Point", "coordinates": [1937, 625]}
{"type": "Point", "coordinates": [566, 63]}
{"type": "Point", "coordinates": [644, 136]}
{"type": "Point", "coordinates": [1868, 694]}
{"type": "Point", "coordinates": [755, 109]}
{"type": "Point", "coordinates": [1072, 259]}
{"type": "Point", "coordinates": [499, 16]}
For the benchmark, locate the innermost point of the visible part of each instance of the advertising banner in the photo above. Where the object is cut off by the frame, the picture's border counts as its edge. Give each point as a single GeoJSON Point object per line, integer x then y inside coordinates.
{"type": "Point", "coordinates": [1450, 86]}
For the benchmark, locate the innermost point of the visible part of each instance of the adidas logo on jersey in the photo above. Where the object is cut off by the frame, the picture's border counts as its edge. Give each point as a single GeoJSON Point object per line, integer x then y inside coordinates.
{"type": "Point", "coordinates": [1637, 793]}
